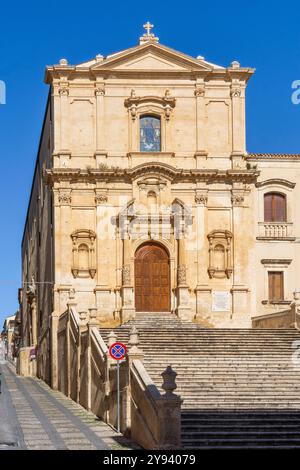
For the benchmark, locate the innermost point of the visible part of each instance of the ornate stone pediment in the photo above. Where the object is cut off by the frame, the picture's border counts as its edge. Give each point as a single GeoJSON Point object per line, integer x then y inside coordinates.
{"type": "Point", "coordinates": [150, 104]}
{"type": "Point", "coordinates": [151, 57]}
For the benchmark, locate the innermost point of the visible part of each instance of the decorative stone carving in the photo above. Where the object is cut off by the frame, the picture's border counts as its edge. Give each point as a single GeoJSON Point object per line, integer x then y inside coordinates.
{"type": "Point", "coordinates": [199, 91]}
{"type": "Point", "coordinates": [63, 90]}
{"type": "Point", "coordinates": [152, 184]}
{"type": "Point", "coordinates": [126, 275]}
{"type": "Point", "coordinates": [169, 377]}
{"type": "Point", "coordinates": [84, 259]}
{"type": "Point", "coordinates": [220, 254]}
{"type": "Point", "coordinates": [237, 199]}
{"type": "Point", "coordinates": [181, 275]}
{"type": "Point", "coordinates": [132, 110]}
{"type": "Point", "coordinates": [168, 110]}
{"type": "Point", "coordinates": [82, 316]}
{"type": "Point", "coordinates": [99, 91]}
{"type": "Point", "coordinates": [165, 103]}
{"type": "Point", "coordinates": [101, 198]}
{"type": "Point", "coordinates": [72, 293]}
{"type": "Point", "coordinates": [201, 199]}
{"type": "Point", "coordinates": [112, 338]}
{"type": "Point", "coordinates": [64, 197]}
{"type": "Point", "coordinates": [134, 337]}
{"type": "Point", "coordinates": [235, 92]}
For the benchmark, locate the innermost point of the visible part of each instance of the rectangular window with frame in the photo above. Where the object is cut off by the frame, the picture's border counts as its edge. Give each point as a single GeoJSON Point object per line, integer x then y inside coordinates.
{"type": "Point", "coordinates": [275, 280]}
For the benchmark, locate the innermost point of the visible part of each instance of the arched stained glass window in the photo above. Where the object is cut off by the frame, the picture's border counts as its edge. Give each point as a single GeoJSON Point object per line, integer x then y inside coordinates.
{"type": "Point", "coordinates": [150, 134]}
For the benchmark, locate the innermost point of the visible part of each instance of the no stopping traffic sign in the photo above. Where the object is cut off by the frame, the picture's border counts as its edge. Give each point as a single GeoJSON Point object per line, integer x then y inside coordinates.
{"type": "Point", "coordinates": [117, 351]}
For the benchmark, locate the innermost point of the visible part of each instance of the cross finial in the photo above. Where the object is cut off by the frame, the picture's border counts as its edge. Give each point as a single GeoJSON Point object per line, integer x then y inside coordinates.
{"type": "Point", "coordinates": [148, 26]}
{"type": "Point", "coordinates": [148, 36]}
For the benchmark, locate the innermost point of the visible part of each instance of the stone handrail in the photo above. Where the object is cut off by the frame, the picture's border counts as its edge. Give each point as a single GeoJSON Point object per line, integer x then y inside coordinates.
{"type": "Point", "coordinates": [74, 317]}
{"type": "Point", "coordinates": [99, 374]}
{"type": "Point", "coordinates": [297, 318]}
{"type": "Point", "coordinates": [88, 375]}
{"type": "Point", "coordinates": [99, 342]}
{"type": "Point", "coordinates": [283, 319]}
{"type": "Point", "coordinates": [155, 417]}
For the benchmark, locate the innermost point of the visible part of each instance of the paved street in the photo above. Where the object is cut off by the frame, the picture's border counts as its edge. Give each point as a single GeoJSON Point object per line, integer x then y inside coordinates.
{"type": "Point", "coordinates": [33, 416]}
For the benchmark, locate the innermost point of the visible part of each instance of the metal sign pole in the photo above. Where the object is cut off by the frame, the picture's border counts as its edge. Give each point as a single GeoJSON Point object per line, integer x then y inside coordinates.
{"type": "Point", "coordinates": [118, 352]}
{"type": "Point", "coordinates": [118, 397]}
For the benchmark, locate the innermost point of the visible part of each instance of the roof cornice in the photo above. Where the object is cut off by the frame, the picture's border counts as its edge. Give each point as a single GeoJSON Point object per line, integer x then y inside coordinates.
{"type": "Point", "coordinates": [273, 156]}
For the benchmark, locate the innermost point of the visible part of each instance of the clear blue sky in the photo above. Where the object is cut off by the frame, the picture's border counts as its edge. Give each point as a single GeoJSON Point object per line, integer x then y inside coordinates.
{"type": "Point", "coordinates": [265, 35]}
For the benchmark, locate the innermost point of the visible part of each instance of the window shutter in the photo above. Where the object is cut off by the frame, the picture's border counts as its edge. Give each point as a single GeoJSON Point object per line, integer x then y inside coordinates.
{"type": "Point", "coordinates": [279, 208]}
{"type": "Point", "coordinates": [268, 207]}
{"type": "Point", "coordinates": [274, 207]}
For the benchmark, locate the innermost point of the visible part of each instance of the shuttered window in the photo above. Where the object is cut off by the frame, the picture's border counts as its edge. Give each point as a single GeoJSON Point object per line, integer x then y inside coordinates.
{"type": "Point", "coordinates": [275, 286]}
{"type": "Point", "coordinates": [275, 207]}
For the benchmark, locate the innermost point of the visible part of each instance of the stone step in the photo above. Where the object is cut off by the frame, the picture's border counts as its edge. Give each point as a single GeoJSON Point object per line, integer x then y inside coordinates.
{"type": "Point", "coordinates": [239, 386]}
{"type": "Point", "coordinates": [246, 442]}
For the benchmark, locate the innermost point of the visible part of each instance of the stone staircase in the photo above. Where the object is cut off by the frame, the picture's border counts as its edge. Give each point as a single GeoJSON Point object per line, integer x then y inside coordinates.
{"type": "Point", "coordinates": [239, 386]}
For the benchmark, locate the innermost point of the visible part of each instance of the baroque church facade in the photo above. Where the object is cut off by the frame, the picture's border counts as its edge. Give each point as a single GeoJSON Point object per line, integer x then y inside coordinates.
{"type": "Point", "coordinates": [144, 199]}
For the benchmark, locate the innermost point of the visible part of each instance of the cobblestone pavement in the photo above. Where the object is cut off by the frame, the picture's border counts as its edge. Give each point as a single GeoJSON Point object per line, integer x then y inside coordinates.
{"type": "Point", "coordinates": [33, 416]}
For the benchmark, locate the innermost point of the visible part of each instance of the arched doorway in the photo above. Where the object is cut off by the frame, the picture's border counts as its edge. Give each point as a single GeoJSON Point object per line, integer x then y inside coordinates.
{"type": "Point", "coordinates": [152, 278]}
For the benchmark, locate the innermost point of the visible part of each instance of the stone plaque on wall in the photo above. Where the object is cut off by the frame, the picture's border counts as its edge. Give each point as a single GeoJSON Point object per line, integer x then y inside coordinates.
{"type": "Point", "coordinates": [220, 301]}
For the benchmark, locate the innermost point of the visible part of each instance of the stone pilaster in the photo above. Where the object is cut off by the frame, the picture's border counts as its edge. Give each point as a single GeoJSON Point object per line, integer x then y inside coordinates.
{"type": "Point", "coordinates": [128, 309]}
{"type": "Point", "coordinates": [201, 154]}
{"type": "Point", "coordinates": [183, 297]}
{"type": "Point", "coordinates": [100, 153]}
{"type": "Point", "coordinates": [243, 246]}
{"type": "Point", "coordinates": [238, 125]}
{"type": "Point", "coordinates": [63, 92]}
{"type": "Point", "coordinates": [105, 262]}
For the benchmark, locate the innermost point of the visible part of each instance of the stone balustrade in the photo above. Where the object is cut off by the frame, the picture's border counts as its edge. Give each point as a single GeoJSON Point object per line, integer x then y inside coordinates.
{"type": "Point", "coordinates": [275, 229]}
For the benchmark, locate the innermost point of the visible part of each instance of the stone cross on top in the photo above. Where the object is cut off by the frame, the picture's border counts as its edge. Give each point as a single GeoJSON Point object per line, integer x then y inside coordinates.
{"type": "Point", "coordinates": [148, 26]}
{"type": "Point", "coordinates": [148, 36]}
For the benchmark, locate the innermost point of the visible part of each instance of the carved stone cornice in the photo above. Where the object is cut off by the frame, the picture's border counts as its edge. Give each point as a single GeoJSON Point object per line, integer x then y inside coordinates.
{"type": "Point", "coordinates": [60, 174]}
{"type": "Point", "coordinates": [154, 168]}
{"type": "Point", "coordinates": [276, 261]}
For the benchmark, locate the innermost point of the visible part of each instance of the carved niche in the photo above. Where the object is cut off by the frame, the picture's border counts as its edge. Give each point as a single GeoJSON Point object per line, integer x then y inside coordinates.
{"type": "Point", "coordinates": [84, 258]}
{"type": "Point", "coordinates": [220, 254]}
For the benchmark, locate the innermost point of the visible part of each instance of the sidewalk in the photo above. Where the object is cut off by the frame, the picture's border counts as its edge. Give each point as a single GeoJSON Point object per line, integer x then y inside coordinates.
{"type": "Point", "coordinates": [36, 417]}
